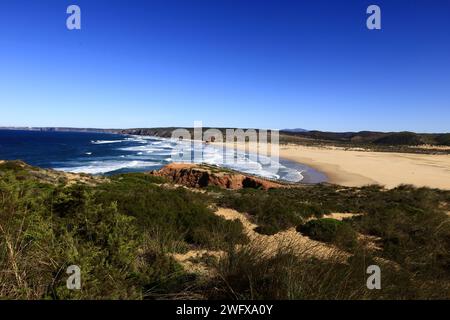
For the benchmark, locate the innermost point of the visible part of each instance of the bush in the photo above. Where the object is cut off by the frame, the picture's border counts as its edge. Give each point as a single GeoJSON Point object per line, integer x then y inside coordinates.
{"type": "Point", "coordinates": [45, 228]}
{"type": "Point", "coordinates": [330, 230]}
{"type": "Point", "coordinates": [174, 211]}
{"type": "Point", "coordinates": [274, 210]}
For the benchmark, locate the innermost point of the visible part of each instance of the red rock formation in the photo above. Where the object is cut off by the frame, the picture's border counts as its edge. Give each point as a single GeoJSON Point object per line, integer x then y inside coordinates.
{"type": "Point", "coordinates": [195, 176]}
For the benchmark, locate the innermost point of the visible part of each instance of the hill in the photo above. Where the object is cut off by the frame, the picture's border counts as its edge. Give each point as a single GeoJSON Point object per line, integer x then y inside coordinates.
{"type": "Point", "coordinates": [374, 138]}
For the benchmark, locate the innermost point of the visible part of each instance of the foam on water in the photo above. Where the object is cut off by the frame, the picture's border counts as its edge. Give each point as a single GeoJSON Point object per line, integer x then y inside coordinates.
{"type": "Point", "coordinates": [102, 167]}
{"type": "Point", "coordinates": [106, 141]}
{"type": "Point", "coordinates": [240, 161]}
{"type": "Point", "coordinates": [152, 151]}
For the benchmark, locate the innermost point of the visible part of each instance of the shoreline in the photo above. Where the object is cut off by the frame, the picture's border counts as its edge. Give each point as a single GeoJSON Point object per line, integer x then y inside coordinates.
{"type": "Point", "coordinates": [355, 168]}
{"type": "Point", "coordinates": [313, 176]}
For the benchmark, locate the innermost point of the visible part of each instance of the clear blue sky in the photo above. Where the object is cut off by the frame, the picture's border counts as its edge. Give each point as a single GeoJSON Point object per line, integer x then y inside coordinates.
{"type": "Point", "coordinates": [248, 63]}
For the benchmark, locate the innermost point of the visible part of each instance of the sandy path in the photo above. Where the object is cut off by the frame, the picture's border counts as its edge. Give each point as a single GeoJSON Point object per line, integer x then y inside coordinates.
{"type": "Point", "coordinates": [358, 168]}
{"type": "Point", "coordinates": [285, 239]}
{"type": "Point", "coordinates": [340, 216]}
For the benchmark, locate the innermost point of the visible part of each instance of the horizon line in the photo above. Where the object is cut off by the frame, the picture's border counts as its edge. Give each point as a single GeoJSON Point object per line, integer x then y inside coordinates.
{"type": "Point", "coordinates": [292, 130]}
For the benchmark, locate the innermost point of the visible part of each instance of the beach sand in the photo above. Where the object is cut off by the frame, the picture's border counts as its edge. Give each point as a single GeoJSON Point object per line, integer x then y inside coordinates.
{"type": "Point", "coordinates": [358, 168]}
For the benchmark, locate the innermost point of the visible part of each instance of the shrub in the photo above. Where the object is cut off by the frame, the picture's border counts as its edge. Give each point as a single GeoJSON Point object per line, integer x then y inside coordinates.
{"type": "Point", "coordinates": [273, 210]}
{"type": "Point", "coordinates": [330, 230]}
{"type": "Point", "coordinates": [174, 211]}
{"type": "Point", "coordinates": [45, 228]}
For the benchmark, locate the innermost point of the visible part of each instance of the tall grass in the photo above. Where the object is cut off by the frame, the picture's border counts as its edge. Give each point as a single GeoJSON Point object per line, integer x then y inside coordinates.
{"type": "Point", "coordinates": [247, 273]}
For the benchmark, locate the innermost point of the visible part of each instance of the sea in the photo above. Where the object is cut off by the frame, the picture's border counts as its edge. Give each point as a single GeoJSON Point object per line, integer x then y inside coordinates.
{"type": "Point", "coordinates": [107, 154]}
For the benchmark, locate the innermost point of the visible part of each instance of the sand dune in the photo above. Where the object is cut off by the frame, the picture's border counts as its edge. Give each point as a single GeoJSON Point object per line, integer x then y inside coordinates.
{"type": "Point", "coordinates": [358, 168]}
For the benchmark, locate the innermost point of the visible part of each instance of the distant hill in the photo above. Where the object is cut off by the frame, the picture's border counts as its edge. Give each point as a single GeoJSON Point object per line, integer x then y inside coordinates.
{"type": "Point", "coordinates": [443, 139]}
{"type": "Point", "coordinates": [373, 138]}
{"type": "Point", "coordinates": [295, 130]}
{"type": "Point", "coordinates": [401, 138]}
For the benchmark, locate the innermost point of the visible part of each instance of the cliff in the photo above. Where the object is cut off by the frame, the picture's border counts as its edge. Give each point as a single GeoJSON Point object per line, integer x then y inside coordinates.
{"type": "Point", "coordinates": [195, 176]}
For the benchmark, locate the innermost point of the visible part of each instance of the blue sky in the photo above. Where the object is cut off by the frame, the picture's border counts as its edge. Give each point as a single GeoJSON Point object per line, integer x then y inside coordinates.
{"type": "Point", "coordinates": [248, 63]}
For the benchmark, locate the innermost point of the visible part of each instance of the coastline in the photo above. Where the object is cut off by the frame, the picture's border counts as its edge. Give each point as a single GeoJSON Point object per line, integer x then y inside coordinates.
{"type": "Point", "coordinates": [353, 168]}
{"type": "Point", "coordinates": [356, 168]}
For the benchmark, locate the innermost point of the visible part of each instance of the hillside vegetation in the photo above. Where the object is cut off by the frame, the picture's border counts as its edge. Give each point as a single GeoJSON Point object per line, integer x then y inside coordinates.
{"type": "Point", "coordinates": [125, 231]}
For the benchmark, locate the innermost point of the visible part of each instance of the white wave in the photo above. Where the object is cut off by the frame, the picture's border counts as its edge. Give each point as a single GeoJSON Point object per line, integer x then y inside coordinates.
{"type": "Point", "coordinates": [151, 148]}
{"type": "Point", "coordinates": [100, 167]}
{"type": "Point", "coordinates": [88, 153]}
{"type": "Point", "coordinates": [293, 176]}
{"type": "Point", "coordinates": [106, 141]}
{"type": "Point", "coordinates": [138, 140]}
{"type": "Point", "coordinates": [135, 148]}
{"type": "Point", "coordinates": [147, 149]}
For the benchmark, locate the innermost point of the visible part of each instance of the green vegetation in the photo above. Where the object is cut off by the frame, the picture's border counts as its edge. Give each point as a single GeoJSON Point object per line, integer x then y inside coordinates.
{"type": "Point", "coordinates": [177, 212]}
{"type": "Point", "coordinates": [119, 233]}
{"type": "Point", "coordinates": [443, 139]}
{"type": "Point", "coordinates": [412, 224]}
{"type": "Point", "coordinates": [123, 232]}
{"type": "Point", "coordinates": [400, 138]}
{"type": "Point", "coordinates": [274, 210]}
{"type": "Point", "coordinates": [330, 230]}
{"type": "Point", "coordinates": [245, 273]}
{"type": "Point", "coordinates": [383, 141]}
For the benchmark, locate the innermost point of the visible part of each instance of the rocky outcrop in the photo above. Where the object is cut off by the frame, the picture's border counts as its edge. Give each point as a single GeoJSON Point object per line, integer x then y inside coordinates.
{"type": "Point", "coordinates": [199, 176]}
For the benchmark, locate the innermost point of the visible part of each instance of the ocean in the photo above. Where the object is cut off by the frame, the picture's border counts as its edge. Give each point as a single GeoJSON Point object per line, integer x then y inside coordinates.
{"type": "Point", "coordinates": [106, 154]}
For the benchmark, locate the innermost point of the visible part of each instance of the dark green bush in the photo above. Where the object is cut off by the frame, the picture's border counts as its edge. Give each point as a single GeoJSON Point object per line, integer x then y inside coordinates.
{"type": "Point", "coordinates": [330, 230]}
{"type": "Point", "coordinates": [44, 228]}
{"type": "Point", "coordinates": [274, 210]}
{"type": "Point", "coordinates": [175, 211]}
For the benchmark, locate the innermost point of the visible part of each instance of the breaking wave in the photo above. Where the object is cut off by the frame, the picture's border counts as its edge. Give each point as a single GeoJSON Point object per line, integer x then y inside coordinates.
{"type": "Point", "coordinates": [140, 153]}
{"type": "Point", "coordinates": [102, 167]}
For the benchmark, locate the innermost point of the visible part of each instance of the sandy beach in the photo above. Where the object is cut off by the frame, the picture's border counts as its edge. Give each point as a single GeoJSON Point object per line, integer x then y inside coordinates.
{"type": "Point", "coordinates": [359, 168]}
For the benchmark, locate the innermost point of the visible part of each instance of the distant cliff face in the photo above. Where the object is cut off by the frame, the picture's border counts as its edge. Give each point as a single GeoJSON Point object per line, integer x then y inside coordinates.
{"type": "Point", "coordinates": [199, 176]}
